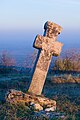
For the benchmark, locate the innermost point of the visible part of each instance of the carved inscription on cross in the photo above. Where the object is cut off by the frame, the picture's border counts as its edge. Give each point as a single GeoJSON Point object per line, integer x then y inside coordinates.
{"type": "Point", "coordinates": [48, 46]}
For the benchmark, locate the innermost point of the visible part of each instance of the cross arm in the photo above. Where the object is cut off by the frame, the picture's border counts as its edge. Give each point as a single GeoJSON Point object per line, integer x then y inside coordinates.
{"type": "Point", "coordinates": [56, 48]}
{"type": "Point", "coordinates": [38, 42]}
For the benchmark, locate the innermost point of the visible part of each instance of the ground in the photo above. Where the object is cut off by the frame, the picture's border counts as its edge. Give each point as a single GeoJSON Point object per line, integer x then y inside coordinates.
{"type": "Point", "coordinates": [66, 94]}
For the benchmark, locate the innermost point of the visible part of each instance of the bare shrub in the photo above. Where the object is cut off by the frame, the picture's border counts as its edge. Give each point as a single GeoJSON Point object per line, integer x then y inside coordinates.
{"type": "Point", "coordinates": [30, 60]}
{"type": "Point", "coordinates": [69, 61]}
{"type": "Point", "coordinates": [7, 60]}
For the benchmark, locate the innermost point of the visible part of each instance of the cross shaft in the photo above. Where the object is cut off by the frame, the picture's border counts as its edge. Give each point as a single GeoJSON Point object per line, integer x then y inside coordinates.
{"type": "Point", "coordinates": [48, 46]}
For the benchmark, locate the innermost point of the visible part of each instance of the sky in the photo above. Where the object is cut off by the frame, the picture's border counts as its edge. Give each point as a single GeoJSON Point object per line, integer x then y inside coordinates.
{"type": "Point", "coordinates": [31, 14]}
{"type": "Point", "coordinates": [22, 20]}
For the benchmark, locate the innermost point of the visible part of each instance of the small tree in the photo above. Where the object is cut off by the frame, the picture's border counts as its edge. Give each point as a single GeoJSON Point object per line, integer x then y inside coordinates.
{"type": "Point", "coordinates": [7, 60]}
{"type": "Point", "coordinates": [30, 60]}
{"type": "Point", "coordinates": [69, 61]}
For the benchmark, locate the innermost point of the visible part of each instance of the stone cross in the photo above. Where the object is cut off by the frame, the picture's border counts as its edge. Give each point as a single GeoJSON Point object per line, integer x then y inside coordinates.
{"type": "Point", "coordinates": [48, 46]}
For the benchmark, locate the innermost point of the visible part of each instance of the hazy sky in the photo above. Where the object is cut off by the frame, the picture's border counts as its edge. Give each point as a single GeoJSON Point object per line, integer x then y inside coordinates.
{"type": "Point", "coordinates": [21, 20]}
{"type": "Point", "coordinates": [31, 14]}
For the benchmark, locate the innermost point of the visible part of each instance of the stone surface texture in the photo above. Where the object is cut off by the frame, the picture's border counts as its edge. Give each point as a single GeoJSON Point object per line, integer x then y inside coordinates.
{"type": "Point", "coordinates": [48, 46]}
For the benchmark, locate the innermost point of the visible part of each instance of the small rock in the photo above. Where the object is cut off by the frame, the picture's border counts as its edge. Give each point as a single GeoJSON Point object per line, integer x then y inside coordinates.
{"type": "Point", "coordinates": [51, 109]}
{"type": "Point", "coordinates": [10, 96]}
{"type": "Point", "coordinates": [32, 103]}
{"type": "Point", "coordinates": [36, 106]}
{"type": "Point", "coordinates": [46, 102]}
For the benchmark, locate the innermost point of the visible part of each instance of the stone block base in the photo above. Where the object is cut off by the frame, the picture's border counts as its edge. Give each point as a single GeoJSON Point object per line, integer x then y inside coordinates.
{"type": "Point", "coordinates": [37, 102]}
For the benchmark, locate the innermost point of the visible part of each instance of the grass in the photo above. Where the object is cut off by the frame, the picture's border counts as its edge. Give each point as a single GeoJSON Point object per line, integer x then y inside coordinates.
{"type": "Point", "coordinates": [67, 97]}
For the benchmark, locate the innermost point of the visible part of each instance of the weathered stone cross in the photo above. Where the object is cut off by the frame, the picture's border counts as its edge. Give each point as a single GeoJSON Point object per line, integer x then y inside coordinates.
{"type": "Point", "coordinates": [48, 46]}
